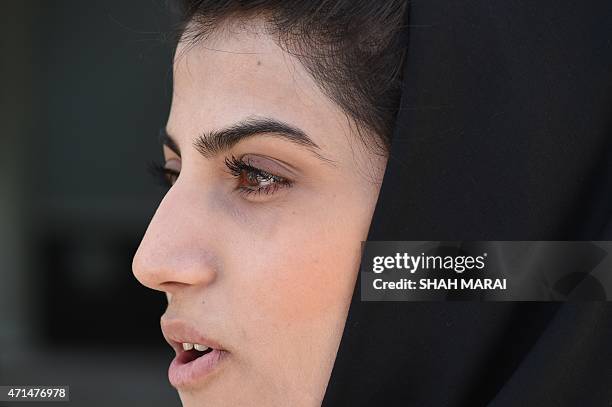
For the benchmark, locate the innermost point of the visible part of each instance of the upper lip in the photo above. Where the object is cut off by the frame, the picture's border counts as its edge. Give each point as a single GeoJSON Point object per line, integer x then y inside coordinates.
{"type": "Point", "coordinates": [176, 332]}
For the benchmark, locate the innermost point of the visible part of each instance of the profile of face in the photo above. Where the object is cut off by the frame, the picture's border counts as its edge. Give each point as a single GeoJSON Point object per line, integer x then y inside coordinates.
{"type": "Point", "coordinates": [257, 243]}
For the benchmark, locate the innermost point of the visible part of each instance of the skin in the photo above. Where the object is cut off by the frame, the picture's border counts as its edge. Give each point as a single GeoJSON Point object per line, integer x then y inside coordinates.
{"type": "Point", "coordinates": [268, 276]}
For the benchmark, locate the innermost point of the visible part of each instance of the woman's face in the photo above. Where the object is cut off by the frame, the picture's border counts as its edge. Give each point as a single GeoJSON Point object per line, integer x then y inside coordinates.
{"type": "Point", "coordinates": [257, 243]}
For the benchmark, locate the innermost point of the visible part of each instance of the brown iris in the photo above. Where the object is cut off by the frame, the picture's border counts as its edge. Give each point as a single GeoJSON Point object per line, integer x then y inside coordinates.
{"type": "Point", "coordinates": [249, 178]}
{"type": "Point", "coordinates": [253, 179]}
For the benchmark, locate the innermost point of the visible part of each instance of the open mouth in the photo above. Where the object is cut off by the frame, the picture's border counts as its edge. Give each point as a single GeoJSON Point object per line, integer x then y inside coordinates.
{"type": "Point", "coordinates": [194, 362]}
{"type": "Point", "coordinates": [192, 351]}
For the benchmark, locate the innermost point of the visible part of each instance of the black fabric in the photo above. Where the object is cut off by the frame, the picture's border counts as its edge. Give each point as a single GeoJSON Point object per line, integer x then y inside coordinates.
{"type": "Point", "coordinates": [504, 133]}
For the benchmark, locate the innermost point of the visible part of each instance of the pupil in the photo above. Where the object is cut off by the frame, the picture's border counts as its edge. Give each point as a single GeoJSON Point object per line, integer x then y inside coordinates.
{"type": "Point", "coordinates": [251, 179]}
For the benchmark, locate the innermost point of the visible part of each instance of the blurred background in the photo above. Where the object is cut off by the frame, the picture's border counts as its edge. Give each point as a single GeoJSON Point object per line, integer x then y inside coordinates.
{"type": "Point", "coordinates": [85, 88]}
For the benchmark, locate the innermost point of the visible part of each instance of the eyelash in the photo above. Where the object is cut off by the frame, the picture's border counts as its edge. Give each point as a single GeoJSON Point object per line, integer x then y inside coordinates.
{"type": "Point", "coordinates": [238, 169]}
{"type": "Point", "coordinates": [163, 176]}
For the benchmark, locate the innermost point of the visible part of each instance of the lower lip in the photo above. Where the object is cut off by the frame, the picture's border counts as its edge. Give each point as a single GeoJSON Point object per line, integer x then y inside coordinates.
{"type": "Point", "coordinates": [189, 374]}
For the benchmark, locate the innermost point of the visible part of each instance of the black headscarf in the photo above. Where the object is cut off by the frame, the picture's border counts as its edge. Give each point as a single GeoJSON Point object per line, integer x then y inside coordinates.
{"type": "Point", "coordinates": [504, 133]}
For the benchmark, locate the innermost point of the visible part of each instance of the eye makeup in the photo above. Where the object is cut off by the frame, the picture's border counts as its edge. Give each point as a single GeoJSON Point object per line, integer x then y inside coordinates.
{"type": "Point", "coordinates": [163, 174]}
{"type": "Point", "coordinates": [254, 174]}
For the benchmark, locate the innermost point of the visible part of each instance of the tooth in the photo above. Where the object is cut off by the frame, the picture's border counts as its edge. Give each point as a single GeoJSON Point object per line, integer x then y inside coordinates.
{"type": "Point", "coordinates": [199, 347]}
{"type": "Point", "coordinates": [187, 346]}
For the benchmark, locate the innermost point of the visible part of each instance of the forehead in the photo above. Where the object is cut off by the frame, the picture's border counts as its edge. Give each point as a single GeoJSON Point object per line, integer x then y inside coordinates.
{"type": "Point", "coordinates": [240, 71]}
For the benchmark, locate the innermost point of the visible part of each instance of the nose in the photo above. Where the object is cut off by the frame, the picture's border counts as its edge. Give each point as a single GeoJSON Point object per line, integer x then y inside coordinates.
{"type": "Point", "coordinates": [176, 250]}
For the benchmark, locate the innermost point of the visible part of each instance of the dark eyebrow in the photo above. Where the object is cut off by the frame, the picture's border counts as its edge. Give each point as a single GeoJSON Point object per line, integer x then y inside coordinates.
{"type": "Point", "coordinates": [212, 143]}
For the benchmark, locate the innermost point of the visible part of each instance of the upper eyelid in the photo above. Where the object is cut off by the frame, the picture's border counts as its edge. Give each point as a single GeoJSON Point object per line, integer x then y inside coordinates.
{"type": "Point", "coordinates": [275, 167]}
{"type": "Point", "coordinates": [254, 168]}
{"type": "Point", "coordinates": [283, 170]}
{"type": "Point", "coordinates": [234, 164]}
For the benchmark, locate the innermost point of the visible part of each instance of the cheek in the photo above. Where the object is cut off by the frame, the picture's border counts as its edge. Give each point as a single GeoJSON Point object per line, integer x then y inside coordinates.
{"type": "Point", "coordinates": [310, 279]}
{"type": "Point", "coordinates": [294, 294]}
{"type": "Point", "coordinates": [299, 269]}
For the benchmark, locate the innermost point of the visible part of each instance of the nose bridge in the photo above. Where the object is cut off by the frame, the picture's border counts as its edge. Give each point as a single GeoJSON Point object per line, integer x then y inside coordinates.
{"type": "Point", "coordinates": [176, 249]}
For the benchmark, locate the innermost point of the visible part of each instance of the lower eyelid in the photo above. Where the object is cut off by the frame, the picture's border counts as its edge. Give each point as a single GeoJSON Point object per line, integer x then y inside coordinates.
{"type": "Point", "coordinates": [262, 192]}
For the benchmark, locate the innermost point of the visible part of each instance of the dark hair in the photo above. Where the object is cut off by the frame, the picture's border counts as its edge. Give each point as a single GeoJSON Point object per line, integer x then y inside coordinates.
{"type": "Point", "coordinates": [354, 49]}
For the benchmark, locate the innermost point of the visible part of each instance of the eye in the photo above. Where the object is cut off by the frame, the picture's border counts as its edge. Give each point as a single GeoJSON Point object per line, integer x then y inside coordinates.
{"type": "Point", "coordinates": [252, 180]}
{"type": "Point", "coordinates": [164, 174]}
